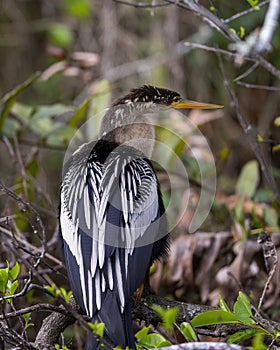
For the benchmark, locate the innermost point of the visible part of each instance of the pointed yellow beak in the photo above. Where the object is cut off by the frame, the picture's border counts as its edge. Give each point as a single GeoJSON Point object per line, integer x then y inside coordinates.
{"type": "Point", "coordinates": [193, 104]}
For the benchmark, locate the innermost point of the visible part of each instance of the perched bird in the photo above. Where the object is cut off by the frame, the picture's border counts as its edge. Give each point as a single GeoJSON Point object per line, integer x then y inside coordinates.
{"type": "Point", "coordinates": [112, 216]}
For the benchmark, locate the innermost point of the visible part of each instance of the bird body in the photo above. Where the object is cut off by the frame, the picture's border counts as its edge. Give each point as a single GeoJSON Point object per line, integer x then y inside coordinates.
{"type": "Point", "coordinates": [112, 216]}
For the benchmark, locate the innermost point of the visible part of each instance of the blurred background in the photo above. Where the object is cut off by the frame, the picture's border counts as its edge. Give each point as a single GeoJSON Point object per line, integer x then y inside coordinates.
{"type": "Point", "coordinates": [63, 61]}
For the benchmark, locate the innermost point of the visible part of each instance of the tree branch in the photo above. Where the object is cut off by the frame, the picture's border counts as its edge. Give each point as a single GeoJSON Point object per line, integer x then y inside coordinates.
{"type": "Point", "coordinates": [247, 128]}
{"type": "Point", "coordinates": [269, 27]}
{"type": "Point", "coordinates": [56, 323]}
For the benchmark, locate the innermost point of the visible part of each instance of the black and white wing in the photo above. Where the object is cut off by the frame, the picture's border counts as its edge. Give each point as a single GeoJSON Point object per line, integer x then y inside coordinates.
{"type": "Point", "coordinates": [109, 221]}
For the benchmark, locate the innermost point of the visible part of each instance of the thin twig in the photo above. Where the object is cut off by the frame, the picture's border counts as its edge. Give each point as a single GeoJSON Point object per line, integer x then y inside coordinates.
{"type": "Point", "coordinates": [256, 86]}
{"type": "Point", "coordinates": [217, 50]}
{"type": "Point", "coordinates": [207, 16]}
{"type": "Point", "coordinates": [248, 72]}
{"type": "Point", "coordinates": [37, 307]}
{"type": "Point", "coordinates": [247, 128]}
{"type": "Point", "coordinates": [270, 259]}
{"type": "Point", "coordinates": [253, 58]}
{"type": "Point", "coordinates": [245, 12]}
{"type": "Point", "coordinates": [142, 5]}
{"type": "Point", "coordinates": [38, 219]}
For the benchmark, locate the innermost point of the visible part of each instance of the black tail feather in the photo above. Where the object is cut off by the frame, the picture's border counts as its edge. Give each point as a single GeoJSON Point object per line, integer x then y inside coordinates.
{"type": "Point", "coordinates": [118, 325]}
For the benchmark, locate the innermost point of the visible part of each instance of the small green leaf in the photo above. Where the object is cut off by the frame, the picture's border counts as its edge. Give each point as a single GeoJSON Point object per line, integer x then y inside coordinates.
{"type": "Point", "coordinates": [224, 154]}
{"type": "Point", "coordinates": [213, 317]}
{"type": "Point", "coordinates": [142, 333]}
{"type": "Point", "coordinates": [242, 32]}
{"type": "Point", "coordinates": [277, 121]}
{"type": "Point", "coordinates": [223, 305]}
{"type": "Point", "coordinates": [60, 35]}
{"type": "Point", "coordinates": [253, 3]}
{"type": "Point", "coordinates": [238, 337]}
{"type": "Point", "coordinates": [270, 216]}
{"type": "Point", "coordinates": [188, 331]}
{"type": "Point", "coordinates": [53, 290]}
{"type": "Point", "coordinates": [97, 327]}
{"type": "Point", "coordinates": [168, 316]}
{"type": "Point", "coordinates": [13, 287]}
{"type": "Point", "coordinates": [257, 343]}
{"type": "Point", "coordinates": [65, 295]}
{"type": "Point", "coordinates": [276, 148]}
{"type": "Point", "coordinates": [14, 271]}
{"type": "Point", "coordinates": [248, 179]}
{"type": "Point", "coordinates": [238, 211]}
{"type": "Point", "coordinates": [9, 99]}
{"type": "Point", "coordinates": [242, 309]}
{"type": "Point", "coordinates": [77, 8]}
{"type": "Point", "coordinates": [154, 341]}
{"type": "Point", "coordinates": [4, 274]}
{"type": "Point", "coordinates": [26, 317]}
{"type": "Point", "coordinates": [80, 113]}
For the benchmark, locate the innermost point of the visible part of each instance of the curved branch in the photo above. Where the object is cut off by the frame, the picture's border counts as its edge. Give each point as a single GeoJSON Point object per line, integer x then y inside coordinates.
{"type": "Point", "coordinates": [56, 323]}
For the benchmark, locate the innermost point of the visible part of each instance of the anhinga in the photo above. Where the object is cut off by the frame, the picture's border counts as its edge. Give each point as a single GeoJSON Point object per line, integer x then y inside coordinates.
{"type": "Point", "coordinates": [112, 216]}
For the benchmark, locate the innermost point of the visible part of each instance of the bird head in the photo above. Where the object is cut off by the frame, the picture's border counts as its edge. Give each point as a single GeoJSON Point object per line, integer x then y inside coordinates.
{"type": "Point", "coordinates": [154, 96]}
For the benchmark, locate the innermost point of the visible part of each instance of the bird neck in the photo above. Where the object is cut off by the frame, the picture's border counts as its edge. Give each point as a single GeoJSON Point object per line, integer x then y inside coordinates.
{"type": "Point", "coordinates": [128, 124]}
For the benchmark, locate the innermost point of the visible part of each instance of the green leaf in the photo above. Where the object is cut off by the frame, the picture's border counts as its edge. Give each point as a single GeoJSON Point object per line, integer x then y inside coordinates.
{"type": "Point", "coordinates": [258, 343]}
{"type": "Point", "coordinates": [248, 179]}
{"type": "Point", "coordinates": [168, 316]}
{"type": "Point", "coordinates": [26, 317]}
{"type": "Point", "coordinates": [4, 274]}
{"type": "Point", "coordinates": [61, 135]}
{"type": "Point", "coordinates": [276, 148]}
{"type": "Point", "coordinates": [277, 121]}
{"type": "Point", "coordinates": [142, 333]}
{"type": "Point", "coordinates": [242, 309]}
{"type": "Point", "coordinates": [65, 295]}
{"type": "Point", "coordinates": [242, 32]}
{"type": "Point", "coordinates": [223, 305]}
{"type": "Point", "coordinates": [9, 99]}
{"type": "Point", "coordinates": [154, 341]}
{"type": "Point", "coordinates": [213, 317]}
{"type": "Point", "coordinates": [13, 287]}
{"type": "Point", "coordinates": [60, 35]}
{"type": "Point", "coordinates": [270, 216]}
{"type": "Point", "coordinates": [47, 111]}
{"type": "Point", "coordinates": [100, 102]}
{"type": "Point", "coordinates": [14, 271]}
{"type": "Point", "coordinates": [238, 211]}
{"type": "Point", "coordinates": [77, 8]}
{"type": "Point", "coordinates": [238, 337]}
{"type": "Point", "coordinates": [53, 290]}
{"type": "Point", "coordinates": [80, 113]}
{"type": "Point", "coordinates": [97, 327]}
{"type": "Point", "coordinates": [188, 331]}
{"type": "Point", "coordinates": [253, 3]}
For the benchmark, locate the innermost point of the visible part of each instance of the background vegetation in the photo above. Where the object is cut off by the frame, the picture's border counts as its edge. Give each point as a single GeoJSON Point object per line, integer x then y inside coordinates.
{"type": "Point", "coordinates": [63, 61]}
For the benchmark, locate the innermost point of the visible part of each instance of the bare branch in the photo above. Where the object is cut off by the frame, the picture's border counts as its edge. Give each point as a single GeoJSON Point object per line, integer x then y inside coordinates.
{"type": "Point", "coordinates": [269, 27]}
{"type": "Point", "coordinates": [207, 16]}
{"type": "Point", "coordinates": [258, 86]}
{"type": "Point", "coordinates": [246, 12]}
{"type": "Point", "coordinates": [142, 4]}
{"type": "Point", "coordinates": [270, 259]}
{"type": "Point", "coordinates": [247, 128]}
{"type": "Point", "coordinates": [38, 220]}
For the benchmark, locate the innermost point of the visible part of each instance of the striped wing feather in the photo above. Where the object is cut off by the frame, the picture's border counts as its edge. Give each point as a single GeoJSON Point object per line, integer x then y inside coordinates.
{"type": "Point", "coordinates": [109, 213]}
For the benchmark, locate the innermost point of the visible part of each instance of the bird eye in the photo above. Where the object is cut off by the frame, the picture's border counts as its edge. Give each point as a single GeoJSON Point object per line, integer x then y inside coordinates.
{"type": "Point", "coordinates": [176, 99]}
